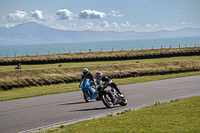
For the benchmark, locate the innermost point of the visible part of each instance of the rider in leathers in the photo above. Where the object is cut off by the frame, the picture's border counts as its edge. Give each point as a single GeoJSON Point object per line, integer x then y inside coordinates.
{"type": "Point", "coordinates": [106, 81]}
{"type": "Point", "coordinates": [87, 74]}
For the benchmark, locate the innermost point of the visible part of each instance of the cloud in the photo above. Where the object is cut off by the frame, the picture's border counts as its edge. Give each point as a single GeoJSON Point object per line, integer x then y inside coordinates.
{"type": "Point", "coordinates": [64, 14]}
{"type": "Point", "coordinates": [115, 14]}
{"type": "Point", "coordinates": [73, 25]}
{"type": "Point", "coordinates": [104, 24]}
{"type": "Point", "coordinates": [156, 25]}
{"type": "Point", "coordinates": [184, 23]}
{"type": "Point", "coordinates": [114, 24]}
{"type": "Point", "coordinates": [148, 25]}
{"type": "Point", "coordinates": [89, 25]}
{"type": "Point", "coordinates": [126, 24]}
{"type": "Point", "coordinates": [91, 14]}
{"type": "Point", "coordinates": [17, 16]}
{"type": "Point", "coordinates": [37, 15]}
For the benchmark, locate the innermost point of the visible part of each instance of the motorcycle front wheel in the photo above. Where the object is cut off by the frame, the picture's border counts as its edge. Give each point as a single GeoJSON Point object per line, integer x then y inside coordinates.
{"type": "Point", "coordinates": [107, 101]}
{"type": "Point", "coordinates": [86, 96]}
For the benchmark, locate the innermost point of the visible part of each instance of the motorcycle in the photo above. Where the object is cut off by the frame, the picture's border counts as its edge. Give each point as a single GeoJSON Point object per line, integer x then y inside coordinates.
{"type": "Point", "coordinates": [88, 90]}
{"type": "Point", "coordinates": [110, 97]}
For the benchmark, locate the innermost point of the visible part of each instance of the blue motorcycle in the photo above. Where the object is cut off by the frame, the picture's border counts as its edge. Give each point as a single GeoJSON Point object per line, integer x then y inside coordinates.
{"type": "Point", "coordinates": [88, 90]}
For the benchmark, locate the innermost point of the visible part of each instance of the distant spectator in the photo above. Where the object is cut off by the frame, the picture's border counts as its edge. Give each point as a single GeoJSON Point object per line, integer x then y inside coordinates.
{"type": "Point", "coordinates": [59, 65]}
{"type": "Point", "coordinates": [18, 66]}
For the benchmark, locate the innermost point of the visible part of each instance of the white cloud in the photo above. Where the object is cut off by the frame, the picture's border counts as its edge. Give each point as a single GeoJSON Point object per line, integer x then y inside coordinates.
{"type": "Point", "coordinates": [149, 25]}
{"type": "Point", "coordinates": [89, 25]}
{"type": "Point", "coordinates": [64, 14]}
{"type": "Point", "coordinates": [91, 14]}
{"type": "Point", "coordinates": [104, 24]}
{"type": "Point", "coordinates": [17, 16]}
{"type": "Point", "coordinates": [126, 24]}
{"type": "Point", "coordinates": [156, 25]}
{"type": "Point", "coordinates": [183, 23]}
{"type": "Point", "coordinates": [37, 15]}
{"type": "Point", "coordinates": [73, 25]}
{"type": "Point", "coordinates": [115, 14]}
{"type": "Point", "coordinates": [114, 24]}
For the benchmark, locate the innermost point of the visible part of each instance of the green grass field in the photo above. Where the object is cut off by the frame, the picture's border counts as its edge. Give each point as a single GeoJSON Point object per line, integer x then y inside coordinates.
{"type": "Point", "coordinates": [178, 116]}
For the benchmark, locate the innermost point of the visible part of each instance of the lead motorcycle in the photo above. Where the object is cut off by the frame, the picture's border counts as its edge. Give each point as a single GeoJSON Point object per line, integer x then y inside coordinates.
{"type": "Point", "coordinates": [110, 97]}
{"type": "Point", "coordinates": [88, 90]}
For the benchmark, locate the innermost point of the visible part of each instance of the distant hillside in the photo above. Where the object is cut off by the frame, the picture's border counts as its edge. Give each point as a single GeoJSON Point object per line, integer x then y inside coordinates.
{"type": "Point", "coordinates": [33, 33]}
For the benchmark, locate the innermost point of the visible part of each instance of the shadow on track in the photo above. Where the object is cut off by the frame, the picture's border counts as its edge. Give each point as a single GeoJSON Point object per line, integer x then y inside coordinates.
{"type": "Point", "coordinates": [76, 103]}
{"type": "Point", "coordinates": [94, 109]}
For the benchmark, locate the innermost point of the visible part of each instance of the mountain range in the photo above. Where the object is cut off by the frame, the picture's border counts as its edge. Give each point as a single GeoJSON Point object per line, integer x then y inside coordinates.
{"type": "Point", "coordinates": [33, 33]}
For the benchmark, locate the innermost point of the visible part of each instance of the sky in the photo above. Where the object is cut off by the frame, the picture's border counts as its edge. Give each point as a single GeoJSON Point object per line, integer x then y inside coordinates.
{"type": "Point", "coordinates": [103, 15]}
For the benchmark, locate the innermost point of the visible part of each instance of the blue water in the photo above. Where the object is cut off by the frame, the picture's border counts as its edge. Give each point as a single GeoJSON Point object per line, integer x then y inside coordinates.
{"type": "Point", "coordinates": [56, 48]}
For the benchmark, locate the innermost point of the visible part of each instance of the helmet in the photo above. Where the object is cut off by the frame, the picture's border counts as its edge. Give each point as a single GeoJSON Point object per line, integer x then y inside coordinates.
{"type": "Point", "coordinates": [85, 71]}
{"type": "Point", "coordinates": [98, 75]}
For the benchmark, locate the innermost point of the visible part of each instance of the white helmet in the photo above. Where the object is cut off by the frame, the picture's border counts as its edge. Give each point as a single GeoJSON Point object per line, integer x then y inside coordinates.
{"type": "Point", "coordinates": [85, 71]}
{"type": "Point", "coordinates": [98, 75]}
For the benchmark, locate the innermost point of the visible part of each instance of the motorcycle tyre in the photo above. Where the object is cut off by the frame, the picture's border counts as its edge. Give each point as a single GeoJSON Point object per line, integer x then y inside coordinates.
{"type": "Point", "coordinates": [123, 102]}
{"type": "Point", "coordinates": [106, 102]}
{"type": "Point", "coordinates": [86, 96]}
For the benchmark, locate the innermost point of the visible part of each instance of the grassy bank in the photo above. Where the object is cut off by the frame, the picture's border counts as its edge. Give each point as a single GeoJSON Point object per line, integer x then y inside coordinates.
{"type": "Point", "coordinates": [101, 56]}
{"type": "Point", "coordinates": [18, 93]}
{"type": "Point", "coordinates": [181, 115]}
{"type": "Point", "coordinates": [48, 73]}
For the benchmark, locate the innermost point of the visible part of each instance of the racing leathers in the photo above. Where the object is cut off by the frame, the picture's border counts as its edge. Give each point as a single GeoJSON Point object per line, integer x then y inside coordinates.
{"type": "Point", "coordinates": [106, 82]}
{"type": "Point", "coordinates": [89, 76]}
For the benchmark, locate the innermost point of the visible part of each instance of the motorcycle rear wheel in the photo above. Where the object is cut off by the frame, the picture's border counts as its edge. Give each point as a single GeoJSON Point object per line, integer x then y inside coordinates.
{"type": "Point", "coordinates": [107, 101]}
{"type": "Point", "coordinates": [86, 96]}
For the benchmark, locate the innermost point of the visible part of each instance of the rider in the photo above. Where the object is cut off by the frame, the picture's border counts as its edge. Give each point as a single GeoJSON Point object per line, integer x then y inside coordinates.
{"type": "Point", "coordinates": [87, 74]}
{"type": "Point", "coordinates": [107, 82]}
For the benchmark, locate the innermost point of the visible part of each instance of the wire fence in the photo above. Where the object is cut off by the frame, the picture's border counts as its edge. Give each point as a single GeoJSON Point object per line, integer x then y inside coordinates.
{"type": "Point", "coordinates": [42, 52]}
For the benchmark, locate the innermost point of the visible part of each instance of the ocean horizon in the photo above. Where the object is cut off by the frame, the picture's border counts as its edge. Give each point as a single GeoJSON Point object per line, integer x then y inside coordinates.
{"type": "Point", "coordinates": [77, 47]}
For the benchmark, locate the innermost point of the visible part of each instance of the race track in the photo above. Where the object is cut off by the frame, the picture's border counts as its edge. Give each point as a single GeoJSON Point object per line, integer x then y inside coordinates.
{"type": "Point", "coordinates": [25, 115]}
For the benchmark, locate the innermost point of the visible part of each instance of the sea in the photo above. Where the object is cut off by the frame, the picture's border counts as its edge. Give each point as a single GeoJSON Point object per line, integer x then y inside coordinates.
{"type": "Point", "coordinates": [59, 48]}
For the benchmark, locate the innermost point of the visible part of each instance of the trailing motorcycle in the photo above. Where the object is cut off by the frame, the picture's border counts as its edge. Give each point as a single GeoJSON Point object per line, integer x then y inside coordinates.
{"type": "Point", "coordinates": [88, 90]}
{"type": "Point", "coordinates": [110, 97]}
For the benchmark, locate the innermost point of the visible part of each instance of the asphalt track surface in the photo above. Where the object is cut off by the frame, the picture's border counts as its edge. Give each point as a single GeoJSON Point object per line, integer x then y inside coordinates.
{"type": "Point", "coordinates": [32, 114]}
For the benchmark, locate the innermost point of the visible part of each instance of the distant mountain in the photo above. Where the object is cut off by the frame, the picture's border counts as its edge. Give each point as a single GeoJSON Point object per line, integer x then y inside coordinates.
{"type": "Point", "coordinates": [33, 33]}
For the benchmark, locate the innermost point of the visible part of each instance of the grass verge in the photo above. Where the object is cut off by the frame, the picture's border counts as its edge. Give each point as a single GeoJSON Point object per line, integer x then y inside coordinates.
{"type": "Point", "coordinates": [35, 74]}
{"type": "Point", "coordinates": [27, 92]}
{"type": "Point", "coordinates": [181, 115]}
